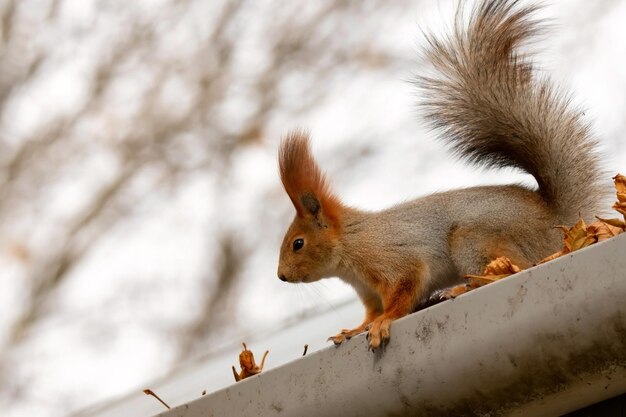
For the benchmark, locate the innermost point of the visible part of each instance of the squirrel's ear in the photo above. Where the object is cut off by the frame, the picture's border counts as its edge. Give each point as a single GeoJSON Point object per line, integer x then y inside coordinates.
{"type": "Point", "coordinates": [303, 180]}
{"type": "Point", "coordinates": [310, 203]}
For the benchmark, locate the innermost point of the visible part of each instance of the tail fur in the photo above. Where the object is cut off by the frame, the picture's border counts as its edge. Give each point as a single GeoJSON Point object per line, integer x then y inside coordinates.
{"type": "Point", "coordinates": [489, 105]}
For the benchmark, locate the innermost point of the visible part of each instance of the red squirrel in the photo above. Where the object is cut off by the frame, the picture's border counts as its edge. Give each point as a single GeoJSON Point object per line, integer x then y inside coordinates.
{"type": "Point", "coordinates": [486, 101]}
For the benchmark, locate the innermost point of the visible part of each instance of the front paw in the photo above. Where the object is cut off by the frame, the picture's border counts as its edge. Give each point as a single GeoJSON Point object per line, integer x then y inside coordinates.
{"type": "Point", "coordinates": [346, 334]}
{"type": "Point", "coordinates": [337, 339]}
{"type": "Point", "coordinates": [379, 333]}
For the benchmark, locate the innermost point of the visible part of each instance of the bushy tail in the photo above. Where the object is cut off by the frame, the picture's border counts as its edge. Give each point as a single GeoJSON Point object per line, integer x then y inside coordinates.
{"type": "Point", "coordinates": [489, 105]}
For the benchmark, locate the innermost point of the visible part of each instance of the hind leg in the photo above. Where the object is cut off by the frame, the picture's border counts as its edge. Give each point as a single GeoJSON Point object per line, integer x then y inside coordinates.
{"type": "Point", "coordinates": [471, 250]}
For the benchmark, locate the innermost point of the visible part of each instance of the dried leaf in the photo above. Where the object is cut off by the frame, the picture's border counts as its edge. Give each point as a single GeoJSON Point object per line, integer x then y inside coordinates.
{"type": "Point", "coordinates": [576, 237]}
{"type": "Point", "coordinates": [501, 266]}
{"type": "Point", "coordinates": [602, 230]}
{"type": "Point", "coordinates": [620, 208]}
{"type": "Point", "coordinates": [476, 281]}
{"type": "Point", "coordinates": [497, 269]}
{"type": "Point", "coordinates": [248, 365]}
{"type": "Point", "coordinates": [613, 222]}
{"type": "Point", "coordinates": [620, 186]}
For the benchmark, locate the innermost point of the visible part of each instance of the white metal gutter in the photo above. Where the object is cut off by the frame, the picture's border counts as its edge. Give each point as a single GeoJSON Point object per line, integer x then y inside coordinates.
{"type": "Point", "coordinates": [546, 341]}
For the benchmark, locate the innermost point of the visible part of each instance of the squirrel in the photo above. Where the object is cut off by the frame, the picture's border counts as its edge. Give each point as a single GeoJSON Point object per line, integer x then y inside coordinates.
{"type": "Point", "coordinates": [485, 101]}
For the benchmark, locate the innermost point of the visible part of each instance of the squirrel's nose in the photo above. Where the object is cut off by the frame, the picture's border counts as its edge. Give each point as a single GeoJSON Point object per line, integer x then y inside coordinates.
{"type": "Point", "coordinates": [282, 277]}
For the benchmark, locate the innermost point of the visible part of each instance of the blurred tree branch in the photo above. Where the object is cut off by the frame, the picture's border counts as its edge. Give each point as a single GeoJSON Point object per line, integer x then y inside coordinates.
{"type": "Point", "coordinates": [217, 297]}
{"type": "Point", "coordinates": [254, 64]}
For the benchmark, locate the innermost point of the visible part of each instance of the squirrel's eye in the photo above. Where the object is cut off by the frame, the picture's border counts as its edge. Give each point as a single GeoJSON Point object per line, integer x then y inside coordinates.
{"type": "Point", "coordinates": [298, 244]}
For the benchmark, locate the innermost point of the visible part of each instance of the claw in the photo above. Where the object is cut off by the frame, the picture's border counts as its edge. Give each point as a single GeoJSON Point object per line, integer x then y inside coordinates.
{"type": "Point", "coordinates": [337, 339]}
{"type": "Point", "coordinates": [345, 334]}
{"type": "Point", "coordinates": [452, 292]}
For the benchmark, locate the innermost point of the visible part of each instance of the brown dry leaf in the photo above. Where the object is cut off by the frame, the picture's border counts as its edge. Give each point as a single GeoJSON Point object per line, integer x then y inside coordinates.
{"type": "Point", "coordinates": [620, 186]}
{"type": "Point", "coordinates": [475, 281]}
{"type": "Point", "coordinates": [614, 222]}
{"type": "Point", "coordinates": [497, 269]}
{"type": "Point", "coordinates": [248, 365]}
{"type": "Point", "coordinates": [501, 266]}
{"type": "Point", "coordinates": [621, 208]}
{"type": "Point", "coordinates": [577, 237]}
{"type": "Point", "coordinates": [602, 230]}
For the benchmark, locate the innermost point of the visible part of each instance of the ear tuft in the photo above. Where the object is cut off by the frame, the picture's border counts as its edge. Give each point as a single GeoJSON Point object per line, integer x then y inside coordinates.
{"type": "Point", "coordinates": [302, 178]}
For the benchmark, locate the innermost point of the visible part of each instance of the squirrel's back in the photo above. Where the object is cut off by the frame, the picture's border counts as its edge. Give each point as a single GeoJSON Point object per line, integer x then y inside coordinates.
{"type": "Point", "coordinates": [489, 104]}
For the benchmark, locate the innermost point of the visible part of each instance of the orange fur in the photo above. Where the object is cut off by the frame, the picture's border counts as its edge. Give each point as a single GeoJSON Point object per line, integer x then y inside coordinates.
{"type": "Point", "coordinates": [300, 174]}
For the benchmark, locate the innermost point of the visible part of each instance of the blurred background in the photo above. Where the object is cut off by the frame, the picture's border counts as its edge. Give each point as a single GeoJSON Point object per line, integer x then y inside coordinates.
{"type": "Point", "coordinates": [141, 211]}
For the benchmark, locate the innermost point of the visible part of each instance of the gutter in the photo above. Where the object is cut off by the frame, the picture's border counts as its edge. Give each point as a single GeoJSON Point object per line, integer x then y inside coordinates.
{"type": "Point", "coordinates": [546, 341]}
